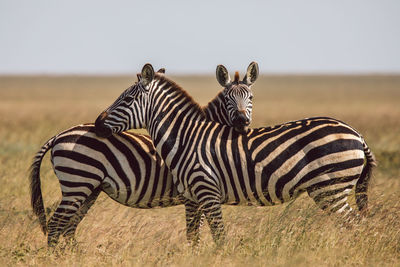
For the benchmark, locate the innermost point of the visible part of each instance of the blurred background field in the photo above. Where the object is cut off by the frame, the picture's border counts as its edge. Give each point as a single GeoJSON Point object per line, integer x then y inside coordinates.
{"type": "Point", "coordinates": [34, 108]}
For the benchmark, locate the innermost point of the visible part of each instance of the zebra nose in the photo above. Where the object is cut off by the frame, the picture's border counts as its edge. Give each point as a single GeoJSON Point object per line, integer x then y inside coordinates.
{"type": "Point", "coordinates": [100, 129]}
{"type": "Point", "coordinates": [242, 119]}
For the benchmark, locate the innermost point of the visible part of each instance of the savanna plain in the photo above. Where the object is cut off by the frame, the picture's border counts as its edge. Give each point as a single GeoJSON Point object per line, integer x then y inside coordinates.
{"type": "Point", "coordinates": [33, 109]}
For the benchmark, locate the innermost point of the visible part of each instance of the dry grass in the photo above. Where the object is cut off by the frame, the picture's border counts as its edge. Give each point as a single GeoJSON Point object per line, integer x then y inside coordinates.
{"type": "Point", "coordinates": [32, 109]}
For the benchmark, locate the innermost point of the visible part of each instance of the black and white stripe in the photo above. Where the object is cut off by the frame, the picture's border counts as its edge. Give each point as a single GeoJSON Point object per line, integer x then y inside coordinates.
{"type": "Point", "coordinates": [212, 164]}
{"type": "Point", "coordinates": [125, 166]}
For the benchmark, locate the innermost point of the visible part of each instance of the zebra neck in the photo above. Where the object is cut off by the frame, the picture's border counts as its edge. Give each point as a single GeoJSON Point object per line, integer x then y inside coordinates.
{"type": "Point", "coordinates": [170, 111]}
{"type": "Point", "coordinates": [216, 110]}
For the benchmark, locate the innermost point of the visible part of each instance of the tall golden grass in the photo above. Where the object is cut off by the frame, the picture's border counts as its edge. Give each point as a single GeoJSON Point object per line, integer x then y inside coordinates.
{"type": "Point", "coordinates": [33, 109]}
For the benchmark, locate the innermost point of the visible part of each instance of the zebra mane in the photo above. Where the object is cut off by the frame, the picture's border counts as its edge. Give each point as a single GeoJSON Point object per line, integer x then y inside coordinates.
{"type": "Point", "coordinates": [215, 101]}
{"type": "Point", "coordinates": [236, 77]}
{"type": "Point", "coordinates": [175, 87]}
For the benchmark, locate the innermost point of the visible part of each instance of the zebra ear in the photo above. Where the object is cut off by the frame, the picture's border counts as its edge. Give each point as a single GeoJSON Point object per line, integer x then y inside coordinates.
{"type": "Point", "coordinates": [222, 76]}
{"type": "Point", "coordinates": [147, 74]}
{"type": "Point", "coordinates": [162, 70]}
{"type": "Point", "coordinates": [251, 74]}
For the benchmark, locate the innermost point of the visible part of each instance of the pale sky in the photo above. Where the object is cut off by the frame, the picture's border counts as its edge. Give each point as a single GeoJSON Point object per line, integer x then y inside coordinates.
{"type": "Point", "coordinates": [118, 37]}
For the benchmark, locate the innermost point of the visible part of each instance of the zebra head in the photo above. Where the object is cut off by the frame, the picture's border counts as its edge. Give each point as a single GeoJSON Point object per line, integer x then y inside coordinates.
{"type": "Point", "coordinates": [238, 96]}
{"type": "Point", "coordinates": [128, 111]}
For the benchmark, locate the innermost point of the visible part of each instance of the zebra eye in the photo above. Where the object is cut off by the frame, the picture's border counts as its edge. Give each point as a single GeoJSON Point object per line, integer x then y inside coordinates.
{"type": "Point", "coordinates": [251, 97]}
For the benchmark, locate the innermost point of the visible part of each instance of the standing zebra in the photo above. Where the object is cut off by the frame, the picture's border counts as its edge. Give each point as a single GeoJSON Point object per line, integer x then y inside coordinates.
{"type": "Point", "coordinates": [212, 164]}
{"type": "Point", "coordinates": [125, 166]}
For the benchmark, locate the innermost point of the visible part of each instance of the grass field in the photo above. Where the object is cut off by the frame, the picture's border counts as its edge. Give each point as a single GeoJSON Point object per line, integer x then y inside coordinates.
{"type": "Point", "coordinates": [33, 109]}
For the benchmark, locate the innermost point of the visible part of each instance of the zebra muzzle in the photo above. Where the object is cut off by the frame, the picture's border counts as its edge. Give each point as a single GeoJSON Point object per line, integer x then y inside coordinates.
{"type": "Point", "coordinates": [102, 130]}
{"type": "Point", "coordinates": [241, 123]}
{"type": "Point", "coordinates": [242, 129]}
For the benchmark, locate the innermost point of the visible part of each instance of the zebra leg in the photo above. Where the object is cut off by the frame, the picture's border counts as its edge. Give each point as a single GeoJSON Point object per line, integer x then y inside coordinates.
{"type": "Point", "coordinates": [333, 197]}
{"type": "Point", "coordinates": [70, 204]}
{"type": "Point", "coordinates": [211, 208]}
{"type": "Point", "coordinates": [69, 232]}
{"type": "Point", "coordinates": [60, 219]}
{"type": "Point", "coordinates": [194, 220]}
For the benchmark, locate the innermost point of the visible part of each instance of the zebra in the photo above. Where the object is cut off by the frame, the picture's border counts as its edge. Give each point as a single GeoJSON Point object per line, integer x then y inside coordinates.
{"type": "Point", "coordinates": [125, 166]}
{"type": "Point", "coordinates": [212, 164]}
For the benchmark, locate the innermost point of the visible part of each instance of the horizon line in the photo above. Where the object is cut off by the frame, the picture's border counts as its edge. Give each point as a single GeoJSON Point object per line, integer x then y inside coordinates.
{"type": "Point", "coordinates": [174, 73]}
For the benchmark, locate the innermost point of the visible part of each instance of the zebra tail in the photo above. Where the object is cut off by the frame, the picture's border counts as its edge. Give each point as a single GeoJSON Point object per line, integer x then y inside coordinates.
{"type": "Point", "coordinates": [363, 181]}
{"type": "Point", "coordinates": [36, 192]}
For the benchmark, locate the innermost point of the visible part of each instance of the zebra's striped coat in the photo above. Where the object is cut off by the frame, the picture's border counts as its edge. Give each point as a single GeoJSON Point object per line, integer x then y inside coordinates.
{"type": "Point", "coordinates": [212, 164]}
{"type": "Point", "coordinates": [125, 166]}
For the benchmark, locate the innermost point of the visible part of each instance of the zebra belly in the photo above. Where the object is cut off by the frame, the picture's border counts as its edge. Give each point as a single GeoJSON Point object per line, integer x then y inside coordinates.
{"type": "Point", "coordinates": [246, 202]}
{"type": "Point", "coordinates": [250, 196]}
{"type": "Point", "coordinates": [166, 200]}
{"type": "Point", "coordinates": [109, 187]}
